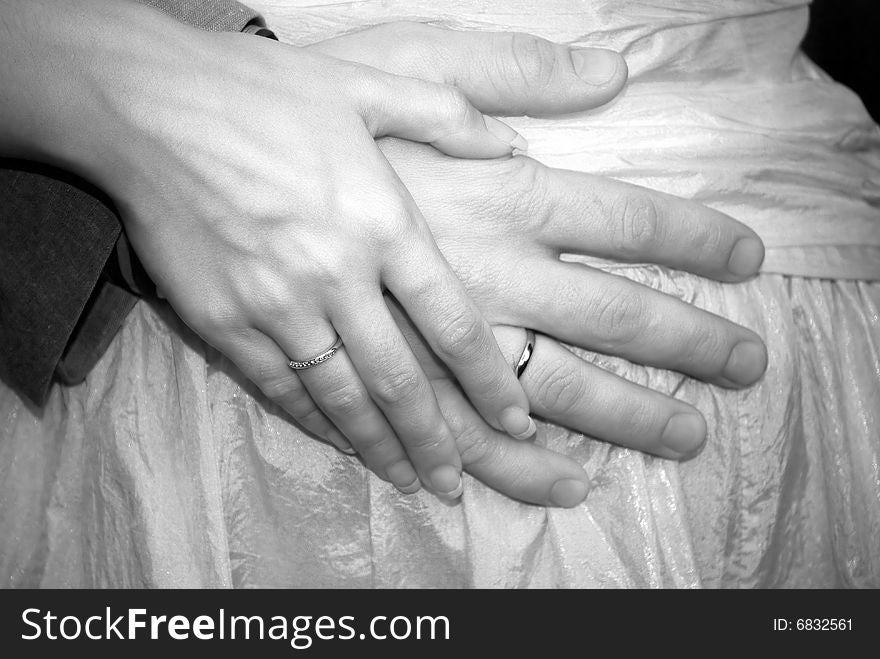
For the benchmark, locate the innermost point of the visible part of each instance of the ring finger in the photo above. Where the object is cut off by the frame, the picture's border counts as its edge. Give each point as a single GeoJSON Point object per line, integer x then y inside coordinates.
{"type": "Point", "coordinates": [261, 360]}
{"type": "Point", "coordinates": [614, 315]}
{"type": "Point", "coordinates": [397, 383]}
{"type": "Point", "coordinates": [336, 387]}
{"type": "Point", "coordinates": [572, 392]}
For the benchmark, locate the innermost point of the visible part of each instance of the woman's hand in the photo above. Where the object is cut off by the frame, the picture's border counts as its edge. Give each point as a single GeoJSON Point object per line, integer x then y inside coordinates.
{"type": "Point", "coordinates": [275, 223]}
{"type": "Point", "coordinates": [250, 184]}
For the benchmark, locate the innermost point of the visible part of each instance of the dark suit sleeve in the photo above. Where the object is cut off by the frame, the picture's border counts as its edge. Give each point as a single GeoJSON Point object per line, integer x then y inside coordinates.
{"type": "Point", "coordinates": [213, 15]}
{"type": "Point", "coordinates": [64, 291]}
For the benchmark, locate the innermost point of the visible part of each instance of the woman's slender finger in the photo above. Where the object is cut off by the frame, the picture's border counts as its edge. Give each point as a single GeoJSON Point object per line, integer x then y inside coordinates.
{"type": "Point", "coordinates": [521, 470]}
{"type": "Point", "coordinates": [261, 360]}
{"type": "Point", "coordinates": [338, 390]}
{"type": "Point", "coordinates": [613, 315]}
{"type": "Point", "coordinates": [455, 330]}
{"type": "Point", "coordinates": [396, 382]}
{"type": "Point", "coordinates": [572, 392]}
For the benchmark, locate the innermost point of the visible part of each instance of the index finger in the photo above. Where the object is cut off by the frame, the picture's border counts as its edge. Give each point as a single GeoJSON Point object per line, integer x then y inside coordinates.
{"type": "Point", "coordinates": [587, 214]}
{"type": "Point", "coordinates": [455, 330]}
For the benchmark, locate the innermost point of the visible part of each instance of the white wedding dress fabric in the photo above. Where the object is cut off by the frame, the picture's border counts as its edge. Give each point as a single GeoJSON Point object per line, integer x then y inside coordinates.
{"type": "Point", "coordinates": [166, 468]}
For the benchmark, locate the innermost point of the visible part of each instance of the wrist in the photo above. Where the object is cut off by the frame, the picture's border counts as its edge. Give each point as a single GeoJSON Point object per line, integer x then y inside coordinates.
{"type": "Point", "coordinates": [74, 74]}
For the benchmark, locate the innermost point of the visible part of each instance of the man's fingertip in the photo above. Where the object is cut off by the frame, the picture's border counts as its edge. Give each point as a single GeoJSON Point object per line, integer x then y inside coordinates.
{"type": "Point", "coordinates": [568, 492]}
{"type": "Point", "coordinates": [746, 257]}
{"type": "Point", "coordinates": [597, 66]}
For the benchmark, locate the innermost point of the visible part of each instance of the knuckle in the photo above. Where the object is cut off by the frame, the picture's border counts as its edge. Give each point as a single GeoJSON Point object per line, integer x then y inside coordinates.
{"type": "Point", "coordinates": [709, 344]}
{"type": "Point", "coordinates": [520, 193]}
{"type": "Point", "coordinates": [390, 237]}
{"type": "Point", "coordinates": [426, 431]}
{"type": "Point", "coordinates": [213, 320]}
{"type": "Point", "coordinates": [620, 316]}
{"type": "Point", "coordinates": [344, 399]}
{"type": "Point", "coordinates": [476, 448]}
{"type": "Point", "coordinates": [462, 336]}
{"type": "Point", "coordinates": [270, 296]}
{"type": "Point", "coordinates": [535, 61]}
{"type": "Point", "coordinates": [286, 390]}
{"type": "Point", "coordinates": [453, 105]}
{"type": "Point", "coordinates": [525, 174]}
{"type": "Point", "coordinates": [397, 387]}
{"type": "Point", "coordinates": [559, 388]}
{"type": "Point", "coordinates": [642, 418]}
{"type": "Point", "coordinates": [711, 238]}
{"type": "Point", "coordinates": [327, 277]}
{"type": "Point", "coordinates": [638, 226]}
{"type": "Point", "coordinates": [316, 267]}
{"type": "Point", "coordinates": [379, 450]}
{"type": "Point", "coordinates": [308, 415]}
{"type": "Point", "coordinates": [480, 451]}
{"type": "Point", "coordinates": [420, 291]}
{"type": "Point", "coordinates": [375, 447]}
{"type": "Point", "coordinates": [424, 440]}
{"type": "Point", "coordinates": [411, 47]}
{"type": "Point", "coordinates": [384, 222]}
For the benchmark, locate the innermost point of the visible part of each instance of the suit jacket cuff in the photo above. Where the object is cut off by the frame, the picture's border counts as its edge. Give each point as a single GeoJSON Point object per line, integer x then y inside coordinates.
{"type": "Point", "coordinates": [213, 15]}
{"type": "Point", "coordinates": [60, 304]}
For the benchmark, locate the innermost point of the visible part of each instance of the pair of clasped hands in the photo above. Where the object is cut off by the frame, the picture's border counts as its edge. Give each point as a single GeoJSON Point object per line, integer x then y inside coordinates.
{"type": "Point", "coordinates": [257, 193]}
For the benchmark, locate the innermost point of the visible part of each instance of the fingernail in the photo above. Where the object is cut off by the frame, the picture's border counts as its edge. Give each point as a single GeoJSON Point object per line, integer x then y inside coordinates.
{"type": "Point", "coordinates": [446, 481]}
{"type": "Point", "coordinates": [568, 493]}
{"type": "Point", "coordinates": [595, 65]}
{"type": "Point", "coordinates": [684, 433]}
{"type": "Point", "coordinates": [404, 477]}
{"type": "Point", "coordinates": [506, 134]}
{"type": "Point", "coordinates": [746, 363]}
{"type": "Point", "coordinates": [517, 423]}
{"type": "Point", "coordinates": [746, 257]}
{"type": "Point", "coordinates": [340, 442]}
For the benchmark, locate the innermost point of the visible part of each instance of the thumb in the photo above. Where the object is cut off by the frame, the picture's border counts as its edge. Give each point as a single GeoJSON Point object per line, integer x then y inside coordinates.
{"type": "Point", "coordinates": [500, 72]}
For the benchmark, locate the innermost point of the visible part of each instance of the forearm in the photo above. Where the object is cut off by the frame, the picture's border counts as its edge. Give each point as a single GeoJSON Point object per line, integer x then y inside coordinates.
{"type": "Point", "coordinates": [56, 236]}
{"type": "Point", "coordinates": [67, 70]}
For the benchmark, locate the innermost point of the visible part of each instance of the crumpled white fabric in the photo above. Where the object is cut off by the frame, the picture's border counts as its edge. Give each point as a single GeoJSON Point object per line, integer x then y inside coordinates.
{"type": "Point", "coordinates": [165, 468]}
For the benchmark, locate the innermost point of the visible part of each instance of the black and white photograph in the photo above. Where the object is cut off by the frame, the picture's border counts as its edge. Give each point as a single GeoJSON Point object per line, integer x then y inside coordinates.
{"type": "Point", "coordinates": [475, 295]}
